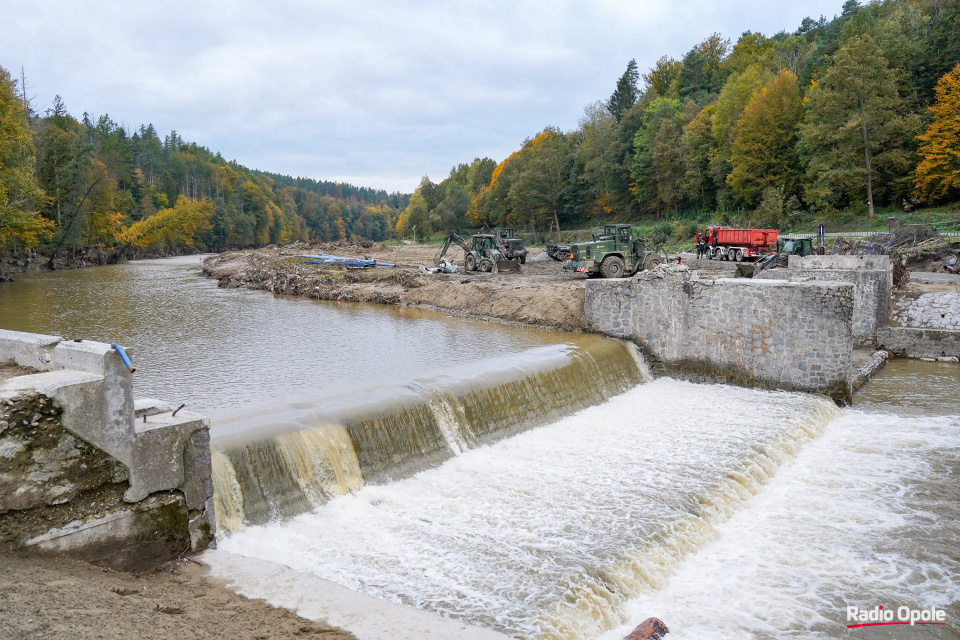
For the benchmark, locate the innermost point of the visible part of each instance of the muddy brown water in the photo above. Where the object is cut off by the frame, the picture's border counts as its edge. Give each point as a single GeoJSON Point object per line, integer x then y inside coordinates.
{"type": "Point", "coordinates": [223, 351]}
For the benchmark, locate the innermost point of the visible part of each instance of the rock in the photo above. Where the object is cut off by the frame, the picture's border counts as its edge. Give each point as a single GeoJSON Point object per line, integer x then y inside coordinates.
{"type": "Point", "coordinates": [649, 629]}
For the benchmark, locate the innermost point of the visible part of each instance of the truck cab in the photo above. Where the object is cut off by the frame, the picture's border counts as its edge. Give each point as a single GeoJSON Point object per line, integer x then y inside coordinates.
{"type": "Point", "coordinates": [797, 247]}
{"type": "Point", "coordinates": [612, 254]}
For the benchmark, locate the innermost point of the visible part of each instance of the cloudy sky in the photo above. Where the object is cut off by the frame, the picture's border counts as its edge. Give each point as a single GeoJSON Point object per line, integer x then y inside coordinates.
{"type": "Point", "coordinates": [372, 92]}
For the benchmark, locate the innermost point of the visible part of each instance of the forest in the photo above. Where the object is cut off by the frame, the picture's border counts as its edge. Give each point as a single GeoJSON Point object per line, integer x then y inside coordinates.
{"type": "Point", "coordinates": [835, 121]}
{"type": "Point", "coordinates": [69, 184]}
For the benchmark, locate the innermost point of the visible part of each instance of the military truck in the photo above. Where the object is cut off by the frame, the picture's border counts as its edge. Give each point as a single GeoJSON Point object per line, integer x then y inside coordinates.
{"type": "Point", "coordinates": [510, 245]}
{"type": "Point", "coordinates": [615, 253]}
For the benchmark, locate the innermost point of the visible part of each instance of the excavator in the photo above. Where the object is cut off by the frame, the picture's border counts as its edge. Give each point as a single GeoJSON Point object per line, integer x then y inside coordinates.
{"type": "Point", "coordinates": [481, 255]}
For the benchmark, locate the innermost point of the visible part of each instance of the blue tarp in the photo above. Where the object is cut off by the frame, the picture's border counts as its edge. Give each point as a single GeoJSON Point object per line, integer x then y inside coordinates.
{"type": "Point", "coordinates": [326, 258]}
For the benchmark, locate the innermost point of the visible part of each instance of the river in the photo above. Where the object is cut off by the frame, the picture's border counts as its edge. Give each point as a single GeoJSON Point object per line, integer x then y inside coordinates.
{"type": "Point", "coordinates": [727, 512]}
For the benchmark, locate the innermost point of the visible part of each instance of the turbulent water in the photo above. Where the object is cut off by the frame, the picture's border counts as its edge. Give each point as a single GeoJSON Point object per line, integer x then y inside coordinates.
{"type": "Point", "coordinates": [284, 460]}
{"type": "Point", "coordinates": [531, 482]}
{"type": "Point", "coordinates": [728, 513]}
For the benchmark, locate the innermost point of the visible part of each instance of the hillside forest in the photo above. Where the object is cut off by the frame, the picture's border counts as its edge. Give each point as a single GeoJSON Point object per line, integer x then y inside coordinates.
{"type": "Point", "coordinates": [841, 118]}
{"type": "Point", "coordinates": [69, 184]}
{"type": "Point", "coordinates": [836, 120]}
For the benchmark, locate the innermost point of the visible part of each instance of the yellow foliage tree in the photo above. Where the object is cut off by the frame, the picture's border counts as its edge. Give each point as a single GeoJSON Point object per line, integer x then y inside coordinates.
{"type": "Point", "coordinates": [938, 173]}
{"type": "Point", "coordinates": [176, 227]}
{"type": "Point", "coordinates": [20, 194]}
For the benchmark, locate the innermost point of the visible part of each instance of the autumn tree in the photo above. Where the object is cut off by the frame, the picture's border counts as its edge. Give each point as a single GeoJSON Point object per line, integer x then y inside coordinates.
{"type": "Point", "coordinates": [538, 191]}
{"type": "Point", "coordinates": [764, 150]}
{"type": "Point", "coordinates": [20, 194]}
{"type": "Point", "coordinates": [938, 173]}
{"type": "Point", "coordinates": [664, 76]}
{"type": "Point", "coordinates": [176, 227]}
{"type": "Point", "coordinates": [858, 130]}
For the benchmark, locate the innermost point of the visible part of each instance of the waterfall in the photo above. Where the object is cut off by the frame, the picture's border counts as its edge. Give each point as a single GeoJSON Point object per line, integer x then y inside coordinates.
{"type": "Point", "coordinates": [285, 460]}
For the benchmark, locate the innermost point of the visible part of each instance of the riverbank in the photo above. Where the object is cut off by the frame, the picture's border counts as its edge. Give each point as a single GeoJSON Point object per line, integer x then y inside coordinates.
{"type": "Point", "coordinates": [56, 597]}
{"type": "Point", "coordinates": [541, 295]}
{"type": "Point", "coordinates": [11, 265]}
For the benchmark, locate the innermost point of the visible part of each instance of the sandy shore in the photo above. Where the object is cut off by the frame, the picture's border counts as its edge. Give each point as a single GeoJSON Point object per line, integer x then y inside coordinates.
{"type": "Point", "coordinates": [49, 598]}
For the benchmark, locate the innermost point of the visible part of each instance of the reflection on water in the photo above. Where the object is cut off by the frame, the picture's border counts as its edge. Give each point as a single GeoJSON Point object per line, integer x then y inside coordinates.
{"type": "Point", "coordinates": [225, 350]}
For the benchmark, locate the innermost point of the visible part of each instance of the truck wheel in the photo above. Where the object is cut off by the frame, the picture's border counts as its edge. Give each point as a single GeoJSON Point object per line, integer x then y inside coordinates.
{"type": "Point", "coordinates": [523, 259]}
{"type": "Point", "coordinates": [470, 262]}
{"type": "Point", "coordinates": [611, 267]}
{"type": "Point", "coordinates": [652, 261]}
{"type": "Point", "coordinates": [739, 255]}
{"type": "Point", "coordinates": [486, 266]}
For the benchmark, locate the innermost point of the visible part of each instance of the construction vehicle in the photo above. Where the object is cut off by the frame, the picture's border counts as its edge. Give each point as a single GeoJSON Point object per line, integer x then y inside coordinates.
{"type": "Point", "coordinates": [800, 246]}
{"type": "Point", "coordinates": [724, 243]}
{"type": "Point", "coordinates": [615, 253]}
{"type": "Point", "coordinates": [510, 245]}
{"type": "Point", "coordinates": [482, 254]}
{"type": "Point", "coordinates": [796, 247]}
{"type": "Point", "coordinates": [558, 252]}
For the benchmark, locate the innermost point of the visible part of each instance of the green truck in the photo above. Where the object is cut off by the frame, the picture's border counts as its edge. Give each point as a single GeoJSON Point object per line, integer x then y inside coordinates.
{"type": "Point", "coordinates": [615, 253]}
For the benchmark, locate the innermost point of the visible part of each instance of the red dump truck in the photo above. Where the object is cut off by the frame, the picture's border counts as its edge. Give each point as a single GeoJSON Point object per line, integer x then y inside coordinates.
{"type": "Point", "coordinates": [724, 243]}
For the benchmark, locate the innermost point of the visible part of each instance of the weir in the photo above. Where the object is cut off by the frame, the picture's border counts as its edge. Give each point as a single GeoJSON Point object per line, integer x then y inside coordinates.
{"type": "Point", "coordinates": [286, 460]}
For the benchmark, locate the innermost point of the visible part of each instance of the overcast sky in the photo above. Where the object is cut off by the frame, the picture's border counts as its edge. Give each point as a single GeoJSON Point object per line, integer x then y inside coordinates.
{"type": "Point", "coordinates": [372, 92]}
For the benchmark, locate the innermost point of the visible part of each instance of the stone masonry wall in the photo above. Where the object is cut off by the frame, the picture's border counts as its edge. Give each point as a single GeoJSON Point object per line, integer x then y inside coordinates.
{"type": "Point", "coordinates": [872, 281]}
{"type": "Point", "coordinates": [914, 342]}
{"type": "Point", "coordinates": [765, 333]}
{"type": "Point", "coordinates": [926, 311]}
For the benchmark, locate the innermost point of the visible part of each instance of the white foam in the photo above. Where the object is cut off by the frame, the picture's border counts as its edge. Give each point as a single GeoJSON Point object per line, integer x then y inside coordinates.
{"type": "Point", "coordinates": [865, 517]}
{"type": "Point", "coordinates": [546, 534]}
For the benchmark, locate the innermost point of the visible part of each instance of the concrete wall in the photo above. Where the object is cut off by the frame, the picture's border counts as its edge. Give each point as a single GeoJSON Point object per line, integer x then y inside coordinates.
{"type": "Point", "coordinates": [766, 333]}
{"type": "Point", "coordinates": [115, 467]}
{"type": "Point", "coordinates": [872, 281]}
{"type": "Point", "coordinates": [916, 342]}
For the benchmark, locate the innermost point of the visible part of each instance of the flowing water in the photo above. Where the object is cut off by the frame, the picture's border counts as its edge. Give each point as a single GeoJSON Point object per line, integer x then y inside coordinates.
{"type": "Point", "coordinates": [536, 483]}
{"type": "Point", "coordinates": [223, 351]}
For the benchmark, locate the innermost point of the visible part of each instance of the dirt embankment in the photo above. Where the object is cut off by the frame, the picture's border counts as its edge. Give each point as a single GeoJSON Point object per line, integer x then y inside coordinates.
{"type": "Point", "coordinates": [542, 294]}
{"type": "Point", "coordinates": [56, 597]}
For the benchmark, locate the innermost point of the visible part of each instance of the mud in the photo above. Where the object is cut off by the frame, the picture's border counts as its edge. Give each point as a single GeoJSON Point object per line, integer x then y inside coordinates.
{"type": "Point", "coordinates": [55, 597]}
{"type": "Point", "coordinates": [542, 294]}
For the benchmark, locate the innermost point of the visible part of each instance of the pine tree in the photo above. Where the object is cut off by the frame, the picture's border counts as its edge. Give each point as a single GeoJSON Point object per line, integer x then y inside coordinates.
{"type": "Point", "coordinates": [938, 174]}
{"type": "Point", "coordinates": [625, 95]}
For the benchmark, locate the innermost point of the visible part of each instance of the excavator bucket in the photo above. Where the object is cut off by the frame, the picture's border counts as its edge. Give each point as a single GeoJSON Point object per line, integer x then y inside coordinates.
{"type": "Point", "coordinates": [509, 265]}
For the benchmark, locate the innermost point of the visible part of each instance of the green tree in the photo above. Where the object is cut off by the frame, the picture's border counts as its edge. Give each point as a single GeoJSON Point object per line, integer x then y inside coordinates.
{"type": "Point", "coordinates": [664, 76]}
{"type": "Point", "coordinates": [537, 192]}
{"type": "Point", "coordinates": [764, 150]}
{"type": "Point", "coordinates": [858, 131]}
{"type": "Point", "coordinates": [20, 193]}
{"type": "Point", "coordinates": [625, 95]}
{"type": "Point", "coordinates": [646, 179]}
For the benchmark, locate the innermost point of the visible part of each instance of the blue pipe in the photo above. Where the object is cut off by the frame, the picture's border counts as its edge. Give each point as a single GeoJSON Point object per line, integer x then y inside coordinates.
{"type": "Point", "coordinates": [123, 356]}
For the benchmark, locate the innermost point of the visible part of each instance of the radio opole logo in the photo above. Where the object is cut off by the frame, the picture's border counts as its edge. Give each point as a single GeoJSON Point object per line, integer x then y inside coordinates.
{"type": "Point", "coordinates": [879, 616]}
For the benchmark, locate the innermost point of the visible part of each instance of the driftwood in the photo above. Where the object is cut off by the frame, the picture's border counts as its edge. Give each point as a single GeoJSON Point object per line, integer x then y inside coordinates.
{"type": "Point", "coordinates": [649, 629]}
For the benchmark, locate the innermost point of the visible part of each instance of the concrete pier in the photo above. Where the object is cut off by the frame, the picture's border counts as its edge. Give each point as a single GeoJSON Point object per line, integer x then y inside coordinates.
{"type": "Point", "coordinates": [86, 469]}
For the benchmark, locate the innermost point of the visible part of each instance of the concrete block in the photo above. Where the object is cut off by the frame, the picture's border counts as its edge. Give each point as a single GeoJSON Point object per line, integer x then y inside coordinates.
{"type": "Point", "coordinates": [28, 349]}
